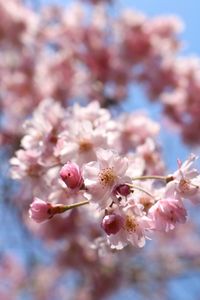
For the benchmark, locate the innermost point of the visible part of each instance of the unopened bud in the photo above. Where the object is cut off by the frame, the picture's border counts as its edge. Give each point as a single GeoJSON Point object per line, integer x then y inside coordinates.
{"type": "Point", "coordinates": [40, 210]}
{"type": "Point", "coordinates": [123, 190]}
{"type": "Point", "coordinates": [112, 223]}
{"type": "Point", "coordinates": [71, 175]}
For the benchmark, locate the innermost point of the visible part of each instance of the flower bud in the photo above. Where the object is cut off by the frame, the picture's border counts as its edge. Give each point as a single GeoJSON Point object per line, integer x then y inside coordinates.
{"type": "Point", "coordinates": [112, 223]}
{"type": "Point", "coordinates": [40, 210]}
{"type": "Point", "coordinates": [123, 190]}
{"type": "Point", "coordinates": [71, 175]}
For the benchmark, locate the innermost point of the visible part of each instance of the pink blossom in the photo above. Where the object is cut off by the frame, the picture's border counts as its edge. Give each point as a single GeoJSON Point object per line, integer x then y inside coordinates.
{"type": "Point", "coordinates": [135, 129]}
{"type": "Point", "coordinates": [103, 175]}
{"type": "Point", "coordinates": [43, 128]}
{"type": "Point", "coordinates": [151, 154]}
{"type": "Point", "coordinates": [80, 142]}
{"type": "Point", "coordinates": [71, 175]}
{"type": "Point", "coordinates": [134, 228]}
{"type": "Point", "coordinates": [166, 213]}
{"type": "Point", "coordinates": [93, 112]}
{"type": "Point", "coordinates": [26, 163]}
{"type": "Point", "coordinates": [40, 210]}
{"type": "Point", "coordinates": [186, 181]}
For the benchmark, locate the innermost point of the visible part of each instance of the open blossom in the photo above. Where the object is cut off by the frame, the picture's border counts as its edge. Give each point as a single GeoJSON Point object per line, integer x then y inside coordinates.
{"type": "Point", "coordinates": [101, 177]}
{"type": "Point", "coordinates": [166, 213]}
{"type": "Point", "coordinates": [71, 175]}
{"type": "Point", "coordinates": [195, 196]}
{"type": "Point", "coordinates": [186, 181]}
{"type": "Point", "coordinates": [42, 129]}
{"type": "Point", "coordinates": [93, 112]}
{"type": "Point", "coordinates": [80, 142]}
{"type": "Point", "coordinates": [26, 163]}
{"type": "Point", "coordinates": [40, 210]}
{"type": "Point", "coordinates": [132, 226]}
{"type": "Point", "coordinates": [150, 152]}
{"type": "Point", "coordinates": [136, 129]}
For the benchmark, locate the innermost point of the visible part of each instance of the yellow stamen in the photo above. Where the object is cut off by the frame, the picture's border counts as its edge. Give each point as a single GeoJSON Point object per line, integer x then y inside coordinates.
{"type": "Point", "coordinates": [85, 145]}
{"type": "Point", "coordinates": [130, 224]}
{"type": "Point", "coordinates": [107, 177]}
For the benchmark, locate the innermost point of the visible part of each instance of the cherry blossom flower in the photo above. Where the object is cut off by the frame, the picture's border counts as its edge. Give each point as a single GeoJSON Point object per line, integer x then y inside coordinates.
{"type": "Point", "coordinates": [103, 175]}
{"type": "Point", "coordinates": [80, 142]}
{"type": "Point", "coordinates": [186, 181]}
{"type": "Point", "coordinates": [26, 163]}
{"type": "Point", "coordinates": [135, 129]}
{"type": "Point", "coordinates": [166, 213]}
{"type": "Point", "coordinates": [40, 210]}
{"type": "Point", "coordinates": [44, 126]}
{"type": "Point", "coordinates": [132, 226]}
{"type": "Point", "coordinates": [93, 112]}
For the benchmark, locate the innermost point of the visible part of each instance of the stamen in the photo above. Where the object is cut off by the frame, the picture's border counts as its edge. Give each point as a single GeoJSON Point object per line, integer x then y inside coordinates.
{"type": "Point", "coordinates": [85, 145]}
{"type": "Point", "coordinates": [107, 177]}
{"type": "Point", "coordinates": [130, 224]}
{"type": "Point", "coordinates": [185, 185]}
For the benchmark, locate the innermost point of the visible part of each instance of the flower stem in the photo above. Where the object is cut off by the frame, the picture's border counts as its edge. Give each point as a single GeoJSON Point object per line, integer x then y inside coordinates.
{"type": "Point", "coordinates": [74, 205]}
{"type": "Point", "coordinates": [164, 178]}
{"type": "Point", "coordinates": [141, 189]}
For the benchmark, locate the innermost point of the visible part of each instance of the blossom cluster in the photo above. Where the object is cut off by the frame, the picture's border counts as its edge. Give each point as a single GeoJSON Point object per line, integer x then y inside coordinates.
{"type": "Point", "coordinates": [90, 181]}
{"type": "Point", "coordinates": [59, 53]}
{"type": "Point", "coordinates": [84, 156]}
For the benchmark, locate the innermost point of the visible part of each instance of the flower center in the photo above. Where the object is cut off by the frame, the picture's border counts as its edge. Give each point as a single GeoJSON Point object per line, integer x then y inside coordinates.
{"type": "Point", "coordinates": [130, 224]}
{"type": "Point", "coordinates": [107, 177]}
{"type": "Point", "coordinates": [85, 145]}
{"type": "Point", "coordinates": [33, 170]}
{"type": "Point", "coordinates": [146, 202]}
{"type": "Point", "coordinates": [184, 185]}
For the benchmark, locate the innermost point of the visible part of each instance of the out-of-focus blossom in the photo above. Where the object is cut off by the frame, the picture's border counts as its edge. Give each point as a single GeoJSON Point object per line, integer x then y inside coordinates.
{"type": "Point", "coordinates": [186, 181]}
{"type": "Point", "coordinates": [166, 213]}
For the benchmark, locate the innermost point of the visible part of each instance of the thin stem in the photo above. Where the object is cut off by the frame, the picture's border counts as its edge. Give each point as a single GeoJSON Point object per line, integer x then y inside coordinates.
{"type": "Point", "coordinates": [141, 189]}
{"type": "Point", "coordinates": [74, 205]}
{"type": "Point", "coordinates": [165, 178]}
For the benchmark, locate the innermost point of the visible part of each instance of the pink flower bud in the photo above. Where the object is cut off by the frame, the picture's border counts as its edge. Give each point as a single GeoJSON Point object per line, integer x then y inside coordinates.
{"type": "Point", "coordinates": [40, 210]}
{"type": "Point", "coordinates": [123, 190]}
{"type": "Point", "coordinates": [71, 175]}
{"type": "Point", "coordinates": [112, 223]}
